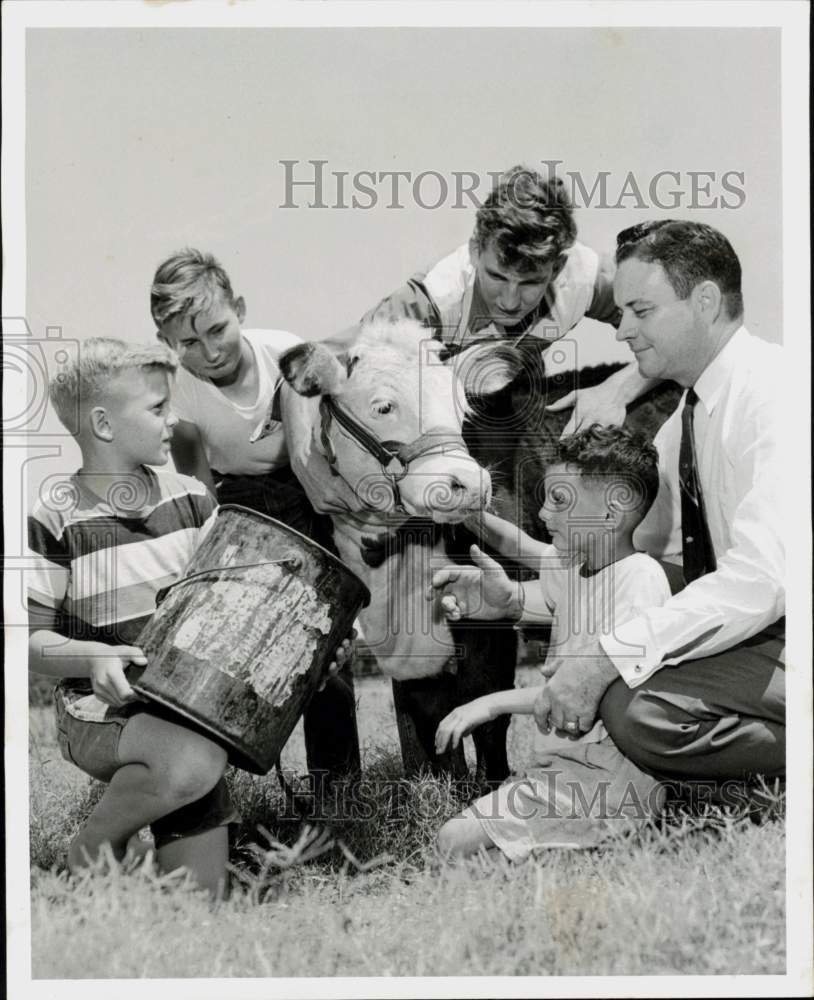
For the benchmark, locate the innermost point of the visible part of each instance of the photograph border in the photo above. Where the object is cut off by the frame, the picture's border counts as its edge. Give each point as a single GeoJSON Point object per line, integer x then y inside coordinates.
{"type": "Point", "coordinates": [792, 18]}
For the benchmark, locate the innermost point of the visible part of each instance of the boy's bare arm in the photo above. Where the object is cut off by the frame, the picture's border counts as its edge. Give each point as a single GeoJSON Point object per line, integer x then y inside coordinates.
{"type": "Point", "coordinates": [104, 665]}
{"type": "Point", "coordinates": [507, 539]}
{"type": "Point", "coordinates": [189, 455]}
{"type": "Point", "coordinates": [463, 719]}
{"type": "Point", "coordinates": [515, 701]}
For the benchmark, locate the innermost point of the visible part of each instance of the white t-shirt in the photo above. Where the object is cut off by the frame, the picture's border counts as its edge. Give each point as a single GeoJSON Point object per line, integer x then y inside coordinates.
{"type": "Point", "coordinates": [226, 427]}
{"type": "Point", "coordinates": [587, 607]}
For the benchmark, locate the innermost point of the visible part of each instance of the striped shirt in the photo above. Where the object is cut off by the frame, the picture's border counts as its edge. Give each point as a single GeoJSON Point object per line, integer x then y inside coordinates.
{"type": "Point", "coordinates": [99, 563]}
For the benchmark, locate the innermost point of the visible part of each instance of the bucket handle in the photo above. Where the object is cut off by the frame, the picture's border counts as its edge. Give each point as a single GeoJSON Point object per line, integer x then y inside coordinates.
{"type": "Point", "coordinates": [292, 562]}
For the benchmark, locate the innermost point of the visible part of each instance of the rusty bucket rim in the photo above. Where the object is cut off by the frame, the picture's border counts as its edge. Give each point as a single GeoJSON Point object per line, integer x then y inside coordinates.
{"type": "Point", "coordinates": [309, 542]}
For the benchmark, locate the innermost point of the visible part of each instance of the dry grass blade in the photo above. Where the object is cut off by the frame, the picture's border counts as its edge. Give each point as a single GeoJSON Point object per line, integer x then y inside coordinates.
{"type": "Point", "coordinates": [364, 866]}
{"type": "Point", "coordinates": [311, 843]}
{"type": "Point", "coordinates": [278, 859]}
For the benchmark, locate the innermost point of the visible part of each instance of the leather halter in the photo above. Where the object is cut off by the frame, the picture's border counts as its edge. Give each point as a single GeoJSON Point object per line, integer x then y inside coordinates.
{"type": "Point", "coordinates": [385, 452]}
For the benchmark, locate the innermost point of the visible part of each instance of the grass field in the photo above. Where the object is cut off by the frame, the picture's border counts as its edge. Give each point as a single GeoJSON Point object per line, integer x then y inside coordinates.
{"type": "Point", "coordinates": [696, 895]}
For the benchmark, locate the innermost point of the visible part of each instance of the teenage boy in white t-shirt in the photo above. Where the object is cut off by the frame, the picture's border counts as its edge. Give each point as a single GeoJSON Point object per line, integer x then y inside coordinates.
{"type": "Point", "coordinates": [223, 391]}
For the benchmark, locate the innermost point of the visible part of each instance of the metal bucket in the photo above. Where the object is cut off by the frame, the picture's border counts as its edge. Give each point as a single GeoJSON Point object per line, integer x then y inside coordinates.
{"type": "Point", "coordinates": [240, 644]}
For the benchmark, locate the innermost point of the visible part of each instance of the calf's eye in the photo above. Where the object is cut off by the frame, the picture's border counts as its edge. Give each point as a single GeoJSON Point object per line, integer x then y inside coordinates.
{"type": "Point", "coordinates": [382, 407]}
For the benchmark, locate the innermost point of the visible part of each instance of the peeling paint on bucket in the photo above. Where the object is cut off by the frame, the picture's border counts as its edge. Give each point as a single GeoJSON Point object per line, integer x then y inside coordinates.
{"type": "Point", "coordinates": [240, 644]}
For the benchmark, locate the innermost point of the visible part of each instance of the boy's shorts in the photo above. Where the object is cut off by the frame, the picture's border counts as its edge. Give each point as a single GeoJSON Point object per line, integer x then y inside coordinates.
{"type": "Point", "coordinates": [580, 796]}
{"type": "Point", "coordinates": [93, 747]}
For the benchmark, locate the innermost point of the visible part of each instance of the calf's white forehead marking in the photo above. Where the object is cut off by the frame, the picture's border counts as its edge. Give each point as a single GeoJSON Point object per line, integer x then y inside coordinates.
{"type": "Point", "coordinates": [425, 389]}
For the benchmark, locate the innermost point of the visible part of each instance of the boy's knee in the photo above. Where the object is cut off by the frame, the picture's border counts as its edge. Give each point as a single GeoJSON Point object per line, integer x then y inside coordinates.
{"type": "Point", "coordinates": [194, 771]}
{"type": "Point", "coordinates": [446, 840]}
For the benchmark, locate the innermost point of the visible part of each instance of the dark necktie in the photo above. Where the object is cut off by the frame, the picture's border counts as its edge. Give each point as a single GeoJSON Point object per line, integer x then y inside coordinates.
{"type": "Point", "coordinates": [699, 556]}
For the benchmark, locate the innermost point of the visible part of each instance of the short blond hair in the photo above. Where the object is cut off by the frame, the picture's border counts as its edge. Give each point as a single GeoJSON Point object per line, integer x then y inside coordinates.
{"type": "Point", "coordinates": [187, 283]}
{"type": "Point", "coordinates": [84, 380]}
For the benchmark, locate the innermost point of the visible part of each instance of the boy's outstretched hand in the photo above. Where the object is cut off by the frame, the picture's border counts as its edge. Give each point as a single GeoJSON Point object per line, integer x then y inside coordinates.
{"type": "Point", "coordinates": [107, 677]}
{"type": "Point", "coordinates": [479, 591]}
{"type": "Point", "coordinates": [461, 721]}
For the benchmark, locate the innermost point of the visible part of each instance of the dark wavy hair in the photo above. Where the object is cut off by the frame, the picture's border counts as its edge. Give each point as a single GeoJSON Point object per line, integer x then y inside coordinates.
{"type": "Point", "coordinates": [527, 219]}
{"type": "Point", "coordinates": [627, 457]}
{"type": "Point", "coordinates": [689, 252]}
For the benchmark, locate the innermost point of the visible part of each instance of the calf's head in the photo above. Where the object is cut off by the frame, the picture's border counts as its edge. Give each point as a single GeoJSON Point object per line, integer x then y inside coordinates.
{"type": "Point", "coordinates": [390, 417]}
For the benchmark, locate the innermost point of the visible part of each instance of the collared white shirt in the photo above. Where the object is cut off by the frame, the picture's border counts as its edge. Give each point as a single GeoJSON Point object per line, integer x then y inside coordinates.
{"type": "Point", "coordinates": [739, 432]}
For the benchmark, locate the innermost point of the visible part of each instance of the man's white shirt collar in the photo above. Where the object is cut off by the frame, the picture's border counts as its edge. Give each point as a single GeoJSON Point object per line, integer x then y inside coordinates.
{"type": "Point", "coordinates": [715, 377]}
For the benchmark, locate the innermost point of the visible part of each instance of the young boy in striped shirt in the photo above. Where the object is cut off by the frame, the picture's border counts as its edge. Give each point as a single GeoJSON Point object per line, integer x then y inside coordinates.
{"type": "Point", "coordinates": [103, 544]}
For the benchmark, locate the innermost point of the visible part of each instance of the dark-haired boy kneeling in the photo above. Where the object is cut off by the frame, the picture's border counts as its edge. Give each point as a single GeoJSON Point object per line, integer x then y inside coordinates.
{"type": "Point", "coordinates": [580, 788]}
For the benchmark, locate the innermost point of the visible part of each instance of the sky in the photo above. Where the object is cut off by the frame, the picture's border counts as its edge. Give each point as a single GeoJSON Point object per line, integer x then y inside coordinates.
{"type": "Point", "coordinates": [142, 141]}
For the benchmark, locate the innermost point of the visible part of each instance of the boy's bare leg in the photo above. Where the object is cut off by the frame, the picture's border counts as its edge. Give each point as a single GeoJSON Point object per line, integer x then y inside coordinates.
{"type": "Point", "coordinates": [463, 835]}
{"type": "Point", "coordinates": [204, 855]}
{"type": "Point", "coordinates": [164, 766]}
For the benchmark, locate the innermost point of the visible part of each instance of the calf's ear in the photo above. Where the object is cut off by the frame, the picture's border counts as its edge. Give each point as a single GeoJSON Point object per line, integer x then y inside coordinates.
{"type": "Point", "coordinates": [312, 370]}
{"type": "Point", "coordinates": [487, 369]}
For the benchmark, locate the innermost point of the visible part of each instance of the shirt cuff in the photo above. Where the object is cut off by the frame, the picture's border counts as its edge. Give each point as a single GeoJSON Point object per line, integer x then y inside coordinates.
{"type": "Point", "coordinates": [632, 649]}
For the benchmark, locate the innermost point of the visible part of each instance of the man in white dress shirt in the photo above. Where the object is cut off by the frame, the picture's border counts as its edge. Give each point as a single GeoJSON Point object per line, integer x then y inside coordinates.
{"type": "Point", "coordinates": [696, 688]}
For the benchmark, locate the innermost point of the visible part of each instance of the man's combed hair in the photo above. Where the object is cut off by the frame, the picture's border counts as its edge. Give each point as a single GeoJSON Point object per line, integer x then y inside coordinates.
{"type": "Point", "coordinates": [188, 282]}
{"type": "Point", "coordinates": [689, 252]}
{"type": "Point", "coordinates": [527, 219]}
{"type": "Point", "coordinates": [84, 380]}
{"type": "Point", "coordinates": [625, 457]}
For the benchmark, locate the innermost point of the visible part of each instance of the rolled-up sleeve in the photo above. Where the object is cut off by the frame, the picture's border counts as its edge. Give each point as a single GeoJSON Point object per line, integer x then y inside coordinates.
{"type": "Point", "coordinates": [411, 301]}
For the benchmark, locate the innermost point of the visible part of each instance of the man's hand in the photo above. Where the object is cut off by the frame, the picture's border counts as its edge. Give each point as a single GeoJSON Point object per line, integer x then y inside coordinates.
{"type": "Point", "coordinates": [342, 657]}
{"type": "Point", "coordinates": [461, 721]}
{"type": "Point", "coordinates": [570, 700]}
{"type": "Point", "coordinates": [107, 676]}
{"type": "Point", "coordinates": [479, 591]}
{"type": "Point", "coordinates": [598, 405]}
{"type": "Point", "coordinates": [550, 666]}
